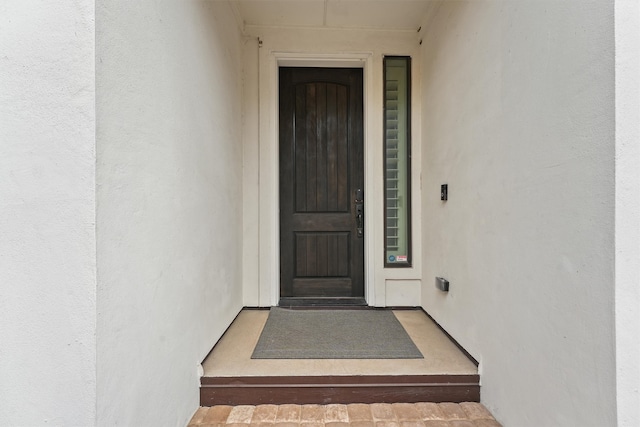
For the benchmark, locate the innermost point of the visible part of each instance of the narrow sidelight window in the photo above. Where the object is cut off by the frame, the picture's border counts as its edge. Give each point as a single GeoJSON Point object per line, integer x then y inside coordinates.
{"type": "Point", "coordinates": [397, 161]}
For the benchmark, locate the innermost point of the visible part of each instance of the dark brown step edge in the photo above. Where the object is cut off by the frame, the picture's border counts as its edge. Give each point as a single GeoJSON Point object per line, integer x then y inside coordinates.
{"type": "Point", "coordinates": [339, 389]}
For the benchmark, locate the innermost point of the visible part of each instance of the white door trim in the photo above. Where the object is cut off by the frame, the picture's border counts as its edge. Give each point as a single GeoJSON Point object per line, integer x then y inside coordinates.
{"type": "Point", "coordinates": [269, 165]}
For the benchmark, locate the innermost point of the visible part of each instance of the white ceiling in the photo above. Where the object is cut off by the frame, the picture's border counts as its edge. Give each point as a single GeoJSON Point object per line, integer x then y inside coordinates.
{"type": "Point", "coordinates": [376, 14]}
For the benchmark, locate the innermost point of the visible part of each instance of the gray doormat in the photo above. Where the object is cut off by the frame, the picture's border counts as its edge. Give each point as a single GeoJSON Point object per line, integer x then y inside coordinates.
{"type": "Point", "coordinates": [334, 334]}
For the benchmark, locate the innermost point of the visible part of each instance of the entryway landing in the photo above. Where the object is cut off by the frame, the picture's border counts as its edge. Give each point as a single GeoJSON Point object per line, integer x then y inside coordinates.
{"type": "Point", "coordinates": [231, 377]}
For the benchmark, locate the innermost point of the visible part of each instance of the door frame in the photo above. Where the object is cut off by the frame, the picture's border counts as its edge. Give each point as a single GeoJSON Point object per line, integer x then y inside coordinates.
{"type": "Point", "coordinates": [270, 167]}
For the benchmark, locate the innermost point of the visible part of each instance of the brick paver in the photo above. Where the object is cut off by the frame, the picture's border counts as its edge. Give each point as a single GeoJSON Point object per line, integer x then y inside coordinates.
{"type": "Point", "coordinates": [312, 414]}
{"type": "Point", "coordinates": [430, 411]}
{"type": "Point", "coordinates": [288, 414]}
{"type": "Point", "coordinates": [264, 414]}
{"type": "Point", "coordinates": [406, 412]}
{"type": "Point", "coordinates": [382, 412]}
{"type": "Point", "coordinates": [487, 423]}
{"type": "Point", "coordinates": [453, 411]}
{"type": "Point", "coordinates": [217, 415]}
{"type": "Point", "coordinates": [359, 412]}
{"type": "Point", "coordinates": [476, 411]}
{"type": "Point", "coordinates": [468, 414]}
{"type": "Point", "coordinates": [241, 414]}
{"type": "Point", "coordinates": [336, 414]}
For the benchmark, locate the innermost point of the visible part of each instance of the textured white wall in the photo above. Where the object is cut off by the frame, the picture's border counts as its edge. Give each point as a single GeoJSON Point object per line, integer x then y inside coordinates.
{"type": "Point", "coordinates": [627, 15]}
{"type": "Point", "coordinates": [518, 119]}
{"type": "Point", "coordinates": [47, 213]}
{"type": "Point", "coordinates": [169, 201]}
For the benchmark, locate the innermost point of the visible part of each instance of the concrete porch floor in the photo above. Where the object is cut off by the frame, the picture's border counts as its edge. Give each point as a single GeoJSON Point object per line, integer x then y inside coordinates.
{"type": "Point", "coordinates": [231, 377]}
{"type": "Point", "coordinates": [231, 357]}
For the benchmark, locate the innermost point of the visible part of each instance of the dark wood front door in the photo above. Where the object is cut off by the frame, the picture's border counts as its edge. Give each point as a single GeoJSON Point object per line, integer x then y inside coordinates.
{"type": "Point", "coordinates": [321, 171]}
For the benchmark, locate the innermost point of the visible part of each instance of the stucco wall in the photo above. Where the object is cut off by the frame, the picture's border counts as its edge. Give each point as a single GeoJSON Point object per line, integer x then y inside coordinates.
{"type": "Point", "coordinates": [518, 119]}
{"type": "Point", "coordinates": [169, 201]}
{"type": "Point", "coordinates": [47, 213]}
{"type": "Point", "coordinates": [627, 15]}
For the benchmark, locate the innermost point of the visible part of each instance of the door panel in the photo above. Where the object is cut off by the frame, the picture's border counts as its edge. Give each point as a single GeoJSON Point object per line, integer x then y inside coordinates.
{"type": "Point", "coordinates": [322, 254]}
{"type": "Point", "coordinates": [321, 167]}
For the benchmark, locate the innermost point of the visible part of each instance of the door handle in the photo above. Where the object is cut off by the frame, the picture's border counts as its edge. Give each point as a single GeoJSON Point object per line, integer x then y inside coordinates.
{"type": "Point", "coordinates": [359, 201]}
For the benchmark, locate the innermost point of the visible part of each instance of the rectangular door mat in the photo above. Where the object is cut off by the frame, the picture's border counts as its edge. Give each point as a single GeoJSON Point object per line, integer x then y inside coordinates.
{"type": "Point", "coordinates": [334, 334]}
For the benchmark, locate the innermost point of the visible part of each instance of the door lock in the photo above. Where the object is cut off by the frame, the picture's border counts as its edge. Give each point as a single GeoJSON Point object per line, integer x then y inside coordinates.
{"type": "Point", "coordinates": [359, 201]}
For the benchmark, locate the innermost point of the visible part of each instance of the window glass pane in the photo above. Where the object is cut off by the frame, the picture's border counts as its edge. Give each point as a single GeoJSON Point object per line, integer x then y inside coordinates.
{"type": "Point", "coordinates": [397, 125]}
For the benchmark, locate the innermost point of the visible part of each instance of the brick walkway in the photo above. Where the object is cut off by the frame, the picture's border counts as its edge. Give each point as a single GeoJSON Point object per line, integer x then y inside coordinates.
{"type": "Point", "coordinates": [357, 415]}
